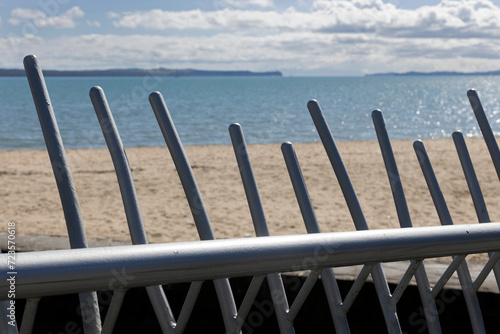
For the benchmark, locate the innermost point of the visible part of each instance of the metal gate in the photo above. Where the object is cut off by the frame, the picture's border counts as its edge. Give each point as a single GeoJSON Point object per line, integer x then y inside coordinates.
{"type": "Point", "coordinates": [85, 270]}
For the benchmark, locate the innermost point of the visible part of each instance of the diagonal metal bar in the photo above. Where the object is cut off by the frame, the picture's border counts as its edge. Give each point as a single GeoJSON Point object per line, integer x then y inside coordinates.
{"type": "Point", "coordinates": [312, 226]}
{"type": "Point", "coordinates": [113, 311]}
{"type": "Point", "coordinates": [249, 299]}
{"type": "Point", "coordinates": [187, 307]}
{"type": "Point", "coordinates": [64, 181]}
{"type": "Point", "coordinates": [193, 195]}
{"type": "Point", "coordinates": [29, 315]}
{"type": "Point", "coordinates": [471, 178]}
{"type": "Point", "coordinates": [458, 263]}
{"type": "Point", "coordinates": [300, 188]}
{"type": "Point", "coordinates": [356, 287]}
{"type": "Point", "coordinates": [405, 280]}
{"type": "Point", "coordinates": [493, 260]}
{"type": "Point", "coordinates": [121, 164]}
{"type": "Point", "coordinates": [304, 291]}
{"type": "Point", "coordinates": [379, 280]}
{"type": "Point", "coordinates": [445, 277]}
{"type": "Point", "coordinates": [485, 127]}
{"type": "Point", "coordinates": [474, 188]}
{"type": "Point", "coordinates": [274, 280]}
{"type": "Point", "coordinates": [248, 180]}
{"type": "Point", "coordinates": [338, 165]}
{"type": "Point", "coordinates": [183, 167]}
{"type": "Point", "coordinates": [492, 145]}
{"type": "Point", "coordinates": [429, 305]}
{"type": "Point", "coordinates": [130, 201]}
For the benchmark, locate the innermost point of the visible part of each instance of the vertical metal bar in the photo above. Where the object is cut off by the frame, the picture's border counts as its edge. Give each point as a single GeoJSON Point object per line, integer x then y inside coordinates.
{"type": "Point", "coordinates": [57, 155]}
{"type": "Point", "coordinates": [429, 305]}
{"type": "Point", "coordinates": [29, 315]}
{"type": "Point", "coordinates": [113, 311]}
{"type": "Point", "coordinates": [485, 127]}
{"type": "Point", "coordinates": [193, 195]}
{"type": "Point", "coordinates": [334, 298]}
{"type": "Point", "coordinates": [260, 224]}
{"type": "Point", "coordinates": [327, 275]}
{"type": "Point", "coordinates": [379, 280]}
{"type": "Point", "coordinates": [474, 188]}
{"type": "Point", "coordinates": [445, 219]}
{"type": "Point", "coordinates": [130, 201]}
{"type": "Point", "coordinates": [64, 181]}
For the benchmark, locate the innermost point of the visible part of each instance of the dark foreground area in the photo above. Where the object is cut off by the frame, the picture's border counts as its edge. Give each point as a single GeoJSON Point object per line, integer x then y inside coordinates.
{"type": "Point", "coordinates": [60, 314]}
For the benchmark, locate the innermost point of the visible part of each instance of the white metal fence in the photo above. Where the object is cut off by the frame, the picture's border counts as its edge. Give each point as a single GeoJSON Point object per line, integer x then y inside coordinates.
{"type": "Point", "coordinates": [85, 270]}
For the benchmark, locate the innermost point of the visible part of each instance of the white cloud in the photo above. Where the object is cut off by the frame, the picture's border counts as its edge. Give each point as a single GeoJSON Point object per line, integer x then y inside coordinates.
{"type": "Point", "coordinates": [459, 19]}
{"type": "Point", "coordinates": [221, 4]}
{"type": "Point", "coordinates": [358, 35]}
{"type": "Point", "coordinates": [158, 19]}
{"type": "Point", "coordinates": [287, 51]}
{"type": "Point", "coordinates": [93, 23]}
{"type": "Point", "coordinates": [40, 19]}
{"type": "Point", "coordinates": [112, 15]}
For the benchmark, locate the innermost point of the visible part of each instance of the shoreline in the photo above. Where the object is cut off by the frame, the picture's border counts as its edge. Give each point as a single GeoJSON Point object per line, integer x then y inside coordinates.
{"type": "Point", "coordinates": [31, 200]}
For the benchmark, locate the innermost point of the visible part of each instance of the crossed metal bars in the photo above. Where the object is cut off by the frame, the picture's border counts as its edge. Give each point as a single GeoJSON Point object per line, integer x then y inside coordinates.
{"type": "Point", "coordinates": [81, 270]}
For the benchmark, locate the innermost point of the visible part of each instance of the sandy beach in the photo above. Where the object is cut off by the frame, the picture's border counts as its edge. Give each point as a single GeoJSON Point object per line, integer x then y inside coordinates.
{"type": "Point", "coordinates": [30, 198]}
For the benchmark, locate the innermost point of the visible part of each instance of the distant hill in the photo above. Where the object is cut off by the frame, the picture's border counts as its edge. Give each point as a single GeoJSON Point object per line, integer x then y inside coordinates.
{"type": "Point", "coordinates": [136, 72]}
{"type": "Point", "coordinates": [432, 73]}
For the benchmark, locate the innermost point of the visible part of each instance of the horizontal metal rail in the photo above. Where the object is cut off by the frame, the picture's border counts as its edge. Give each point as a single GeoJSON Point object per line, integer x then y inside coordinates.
{"type": "Point", "coordinates": [62, 272]}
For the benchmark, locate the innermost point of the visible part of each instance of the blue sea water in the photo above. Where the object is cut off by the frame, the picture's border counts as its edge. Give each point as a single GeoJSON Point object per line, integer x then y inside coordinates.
{"type": "Point", "coordinates": [270, 109]}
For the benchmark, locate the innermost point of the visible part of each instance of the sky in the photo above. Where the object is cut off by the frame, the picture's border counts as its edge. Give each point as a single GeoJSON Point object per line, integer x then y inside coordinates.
{"type": "Point", "coordinates": [296, 37]}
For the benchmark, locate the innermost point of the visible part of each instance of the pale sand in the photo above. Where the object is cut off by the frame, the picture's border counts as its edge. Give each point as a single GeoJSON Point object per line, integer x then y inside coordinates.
{"type": "Point", "coordinates": [30, 198]}
{"type": "Point", "coordinates": [29, 194]}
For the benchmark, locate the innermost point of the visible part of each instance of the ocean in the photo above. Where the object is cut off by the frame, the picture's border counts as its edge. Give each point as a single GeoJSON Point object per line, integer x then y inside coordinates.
{"type": "Point", "coordinates": [270, 109]}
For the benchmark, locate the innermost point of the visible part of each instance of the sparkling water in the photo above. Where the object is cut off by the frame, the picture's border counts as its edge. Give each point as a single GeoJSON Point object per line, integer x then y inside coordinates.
{"type": "Point", "coordinates": [270, 109]}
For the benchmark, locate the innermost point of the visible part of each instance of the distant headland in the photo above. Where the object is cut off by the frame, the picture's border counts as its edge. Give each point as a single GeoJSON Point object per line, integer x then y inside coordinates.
{"type": "Point", "coordinates": [414, 73]}
{"type": "Point", "coordinates": [136, 72]}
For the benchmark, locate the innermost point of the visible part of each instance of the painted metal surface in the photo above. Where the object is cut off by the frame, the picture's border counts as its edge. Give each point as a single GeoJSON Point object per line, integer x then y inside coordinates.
{"type": "Point", "coordinates": [459, 264]}
{"type": "Point", "coordinates": [274, 280]}
{"type": "Point", "coordinates": [130, 203]}
{"type": "Point", "coordinates": [430, 310]}
{"type": "Point", "coordinates": [64, 181]}
{"type": "Point", "coordinates": [196, 204]}
{"type": "Point", "coordinates": [358, 217]}
{"type": "Point", "coordinates": [62, 271]}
